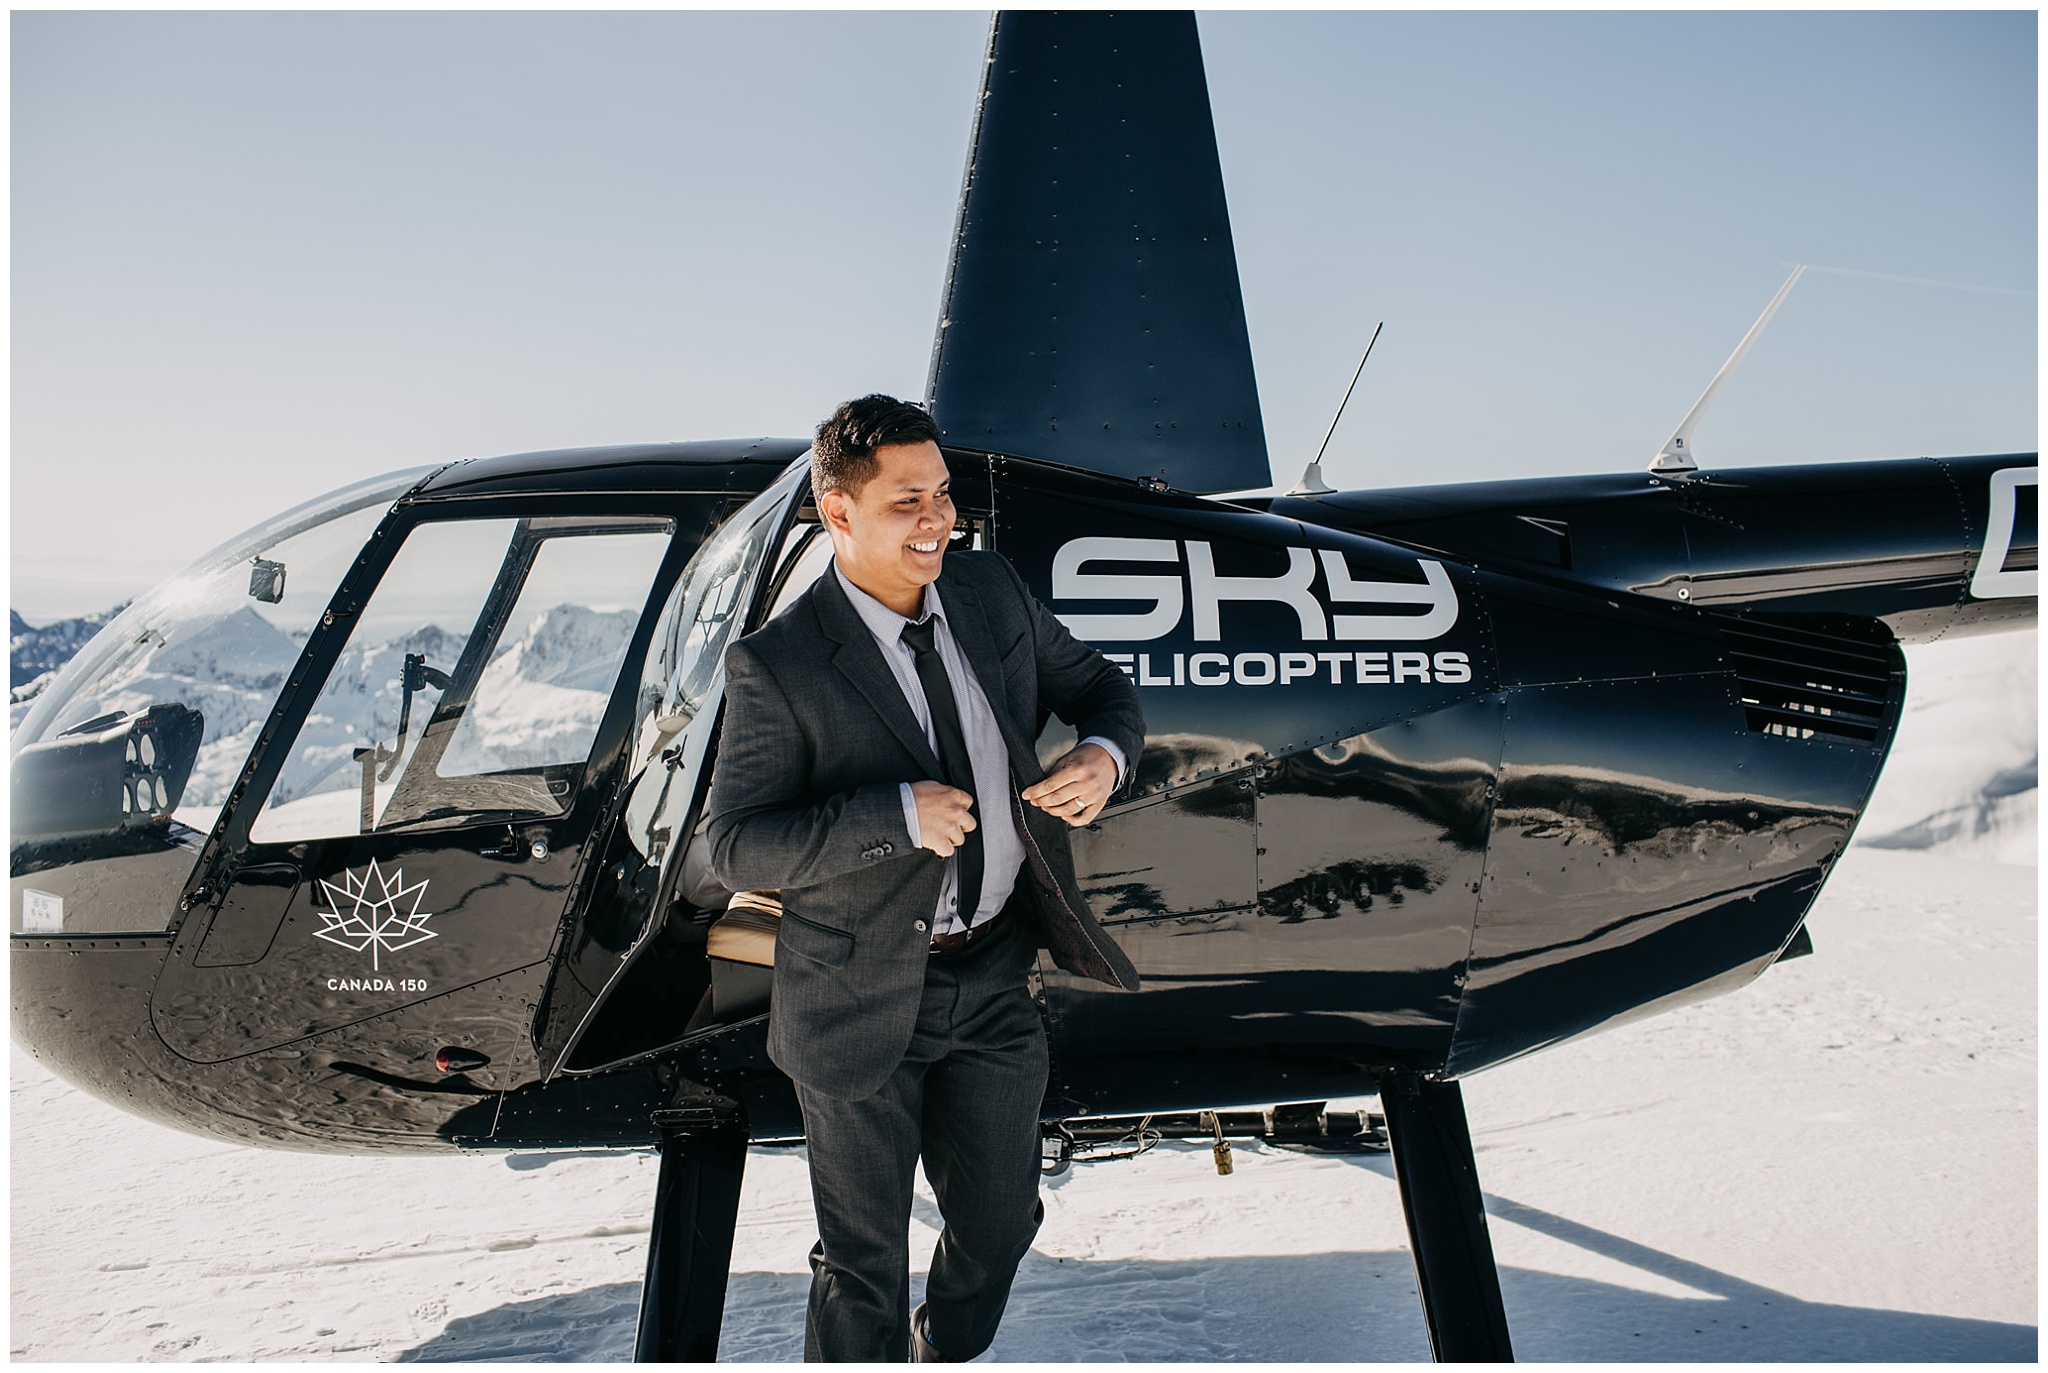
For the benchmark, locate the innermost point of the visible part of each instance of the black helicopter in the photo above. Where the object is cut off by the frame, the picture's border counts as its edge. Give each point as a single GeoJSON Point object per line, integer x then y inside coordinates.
{"type": "Point", "coordinates": [377, 829]}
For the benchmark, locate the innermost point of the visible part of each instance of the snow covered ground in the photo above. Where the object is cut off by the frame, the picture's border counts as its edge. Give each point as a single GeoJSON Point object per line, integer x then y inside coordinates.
{"type": "Point", "coordinates": [1838, 1162]}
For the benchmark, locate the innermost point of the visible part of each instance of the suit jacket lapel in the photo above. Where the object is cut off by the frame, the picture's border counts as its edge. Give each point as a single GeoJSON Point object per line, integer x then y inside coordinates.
{"type": "Point", "coordinates": [860, 659]}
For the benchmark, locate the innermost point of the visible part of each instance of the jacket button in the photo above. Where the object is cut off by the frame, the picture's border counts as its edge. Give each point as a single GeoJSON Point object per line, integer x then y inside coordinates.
{"type": "Point", "coordinates": [920, 927]}
{"type": "Point", "coordinates": [888, 849]}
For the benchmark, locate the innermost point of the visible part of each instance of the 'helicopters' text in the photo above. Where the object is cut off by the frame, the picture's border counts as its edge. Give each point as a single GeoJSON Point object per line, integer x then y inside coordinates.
{"type": "Point", "coordinates": [1284, 669]}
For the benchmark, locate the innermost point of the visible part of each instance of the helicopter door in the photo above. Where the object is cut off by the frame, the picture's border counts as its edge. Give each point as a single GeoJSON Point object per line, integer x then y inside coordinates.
{"type": "Point", "coordinates": [422, 834]}
{"type": "Point", "coordinates": [595, 1011]}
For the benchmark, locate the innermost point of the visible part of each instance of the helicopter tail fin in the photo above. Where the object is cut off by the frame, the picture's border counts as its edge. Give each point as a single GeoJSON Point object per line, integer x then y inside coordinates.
{"type": "Point", "coordinates": [1092, 314]}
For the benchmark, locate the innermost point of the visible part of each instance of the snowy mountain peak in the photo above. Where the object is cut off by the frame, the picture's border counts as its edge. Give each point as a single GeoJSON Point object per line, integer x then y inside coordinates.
{"type": "Point", "coordinates": [439, 647]}
{"type": "Point", "coordinates": [242, 650]}
{"type": "Point", "coordinates": [571, 646]}
{"type": "Point", "coordinates": [37, 651]}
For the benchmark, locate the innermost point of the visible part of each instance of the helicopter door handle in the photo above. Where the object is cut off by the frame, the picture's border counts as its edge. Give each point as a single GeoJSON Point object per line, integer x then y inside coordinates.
{"type": "Point", "coordinates": [511, 850]}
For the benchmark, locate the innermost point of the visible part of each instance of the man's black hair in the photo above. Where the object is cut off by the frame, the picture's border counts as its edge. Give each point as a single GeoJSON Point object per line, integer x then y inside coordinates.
{"type": "Point", "coordinates": [843, 457]}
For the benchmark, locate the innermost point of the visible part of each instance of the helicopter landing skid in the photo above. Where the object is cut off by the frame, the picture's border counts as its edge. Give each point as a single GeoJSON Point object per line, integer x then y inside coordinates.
{"type": "Point", "coordinates": [1454, 1267]}
{"type": "Point", "coordinates": [689, 1251]}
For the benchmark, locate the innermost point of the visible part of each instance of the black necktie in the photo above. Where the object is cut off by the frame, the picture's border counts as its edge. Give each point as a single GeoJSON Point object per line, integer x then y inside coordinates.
{"type": "Point", "coordinates": [953, 757]}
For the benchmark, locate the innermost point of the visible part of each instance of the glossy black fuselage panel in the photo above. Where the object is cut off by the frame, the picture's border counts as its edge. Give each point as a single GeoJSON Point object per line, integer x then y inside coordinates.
{"type": "Point", "coordinates": [1296, 872]}
{"type": "Point", "coordinates": [1650, 845]}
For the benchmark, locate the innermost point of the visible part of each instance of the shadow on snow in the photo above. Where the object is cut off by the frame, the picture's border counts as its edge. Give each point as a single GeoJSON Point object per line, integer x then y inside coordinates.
{"type": "Point", "coordinates": [1293, 1308]}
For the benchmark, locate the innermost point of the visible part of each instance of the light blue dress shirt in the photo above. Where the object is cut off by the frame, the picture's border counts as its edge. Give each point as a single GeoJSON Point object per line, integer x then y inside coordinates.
{"type": "Point", "coordinates": [1002, 846]}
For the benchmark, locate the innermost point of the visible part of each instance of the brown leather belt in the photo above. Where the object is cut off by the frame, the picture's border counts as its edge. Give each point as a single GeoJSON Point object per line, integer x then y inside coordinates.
{"type": "Point", "coordinates": [960, 940]}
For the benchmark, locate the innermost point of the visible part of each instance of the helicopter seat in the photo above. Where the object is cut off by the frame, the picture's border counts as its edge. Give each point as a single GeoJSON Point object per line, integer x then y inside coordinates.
{"type": "Point", "coordinates": [741, 945]}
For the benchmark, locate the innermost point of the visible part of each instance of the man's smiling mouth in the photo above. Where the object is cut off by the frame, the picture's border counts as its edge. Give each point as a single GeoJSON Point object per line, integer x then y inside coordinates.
{"type": "Point", "coordinates": [931, 547]}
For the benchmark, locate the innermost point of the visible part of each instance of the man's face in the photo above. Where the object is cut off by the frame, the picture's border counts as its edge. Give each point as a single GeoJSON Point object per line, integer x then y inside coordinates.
{"type": "Point", "coordinates": [891, 538]}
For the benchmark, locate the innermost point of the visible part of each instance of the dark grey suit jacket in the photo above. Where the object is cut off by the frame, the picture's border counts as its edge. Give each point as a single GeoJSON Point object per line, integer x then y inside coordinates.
{"type": "Point", "coordinates": [806, 798]}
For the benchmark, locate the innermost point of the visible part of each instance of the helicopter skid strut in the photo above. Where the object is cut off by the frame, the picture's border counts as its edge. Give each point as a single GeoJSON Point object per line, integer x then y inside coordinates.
{"type": "Point", "coordinates": [704, 1155]}
{"type": "Point", "coordinates": [1454, 1267]}
{"type": "Point", "coordinates": [689, 1250]}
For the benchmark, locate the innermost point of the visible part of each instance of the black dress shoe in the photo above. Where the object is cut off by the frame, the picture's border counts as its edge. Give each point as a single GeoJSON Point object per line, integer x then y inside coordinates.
{"type": "Point", "coordinates": [922, 1350]}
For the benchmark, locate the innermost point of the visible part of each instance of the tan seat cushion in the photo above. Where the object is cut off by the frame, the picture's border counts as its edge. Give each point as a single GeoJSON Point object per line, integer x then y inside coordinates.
{"type": "Point", "coordinates": [746, 932]}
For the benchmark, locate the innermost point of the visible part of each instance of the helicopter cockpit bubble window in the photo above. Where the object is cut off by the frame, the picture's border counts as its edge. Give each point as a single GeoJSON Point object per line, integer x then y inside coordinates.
{"type": "Point", "coordinates": [808, 555]}
{"type": "Point", "coordinates": [685, 668]}
{"type": "Point", "coordinates": [208, 642]}
{"type": "Point", "coordinates": [474, 680]}
{"type": "Point", "coordinates": [705, 612]}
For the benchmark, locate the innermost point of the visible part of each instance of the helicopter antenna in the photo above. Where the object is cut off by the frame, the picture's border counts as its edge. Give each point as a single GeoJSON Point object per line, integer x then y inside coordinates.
{"type": "Point", "coordinates": [1312, 483]}
{"type": "Point", "coordinates": [1675, 457]}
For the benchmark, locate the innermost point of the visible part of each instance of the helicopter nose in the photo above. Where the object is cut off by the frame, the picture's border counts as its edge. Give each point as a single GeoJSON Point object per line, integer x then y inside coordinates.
{"type": "Point", "coordinates": [80, 1006]}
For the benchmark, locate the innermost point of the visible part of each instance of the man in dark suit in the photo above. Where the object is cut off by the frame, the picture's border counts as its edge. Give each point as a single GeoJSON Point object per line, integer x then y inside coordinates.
{"type": "Point", "coordinates": [877, 767]}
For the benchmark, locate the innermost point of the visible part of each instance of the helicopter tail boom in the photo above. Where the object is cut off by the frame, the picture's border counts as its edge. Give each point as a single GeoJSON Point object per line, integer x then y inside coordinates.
{"type": "Point", "coordinates": [1932, 547]}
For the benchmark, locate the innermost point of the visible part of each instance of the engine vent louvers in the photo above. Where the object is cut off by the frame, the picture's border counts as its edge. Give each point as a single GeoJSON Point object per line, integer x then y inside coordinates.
{"type": "Point", "coordinates": [1811, 676]}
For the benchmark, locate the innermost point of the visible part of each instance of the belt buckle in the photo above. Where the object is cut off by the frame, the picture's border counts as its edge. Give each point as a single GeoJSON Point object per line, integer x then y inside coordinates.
{"type": "Point", "coordinates": [965, 939]}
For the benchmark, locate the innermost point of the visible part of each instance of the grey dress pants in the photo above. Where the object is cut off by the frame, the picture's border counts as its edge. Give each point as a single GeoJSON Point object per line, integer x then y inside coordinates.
{"type": "Point", "coordinates": [967, 1097]}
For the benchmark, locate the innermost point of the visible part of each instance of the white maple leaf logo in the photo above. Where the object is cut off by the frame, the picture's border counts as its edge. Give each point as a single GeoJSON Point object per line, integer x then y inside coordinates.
{"type": "Point", "coordinates": [374, 912]}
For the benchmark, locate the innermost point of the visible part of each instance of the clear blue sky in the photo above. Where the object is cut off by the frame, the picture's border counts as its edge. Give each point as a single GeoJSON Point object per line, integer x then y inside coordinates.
{"type": "Point", "coordinates": [257, 256]}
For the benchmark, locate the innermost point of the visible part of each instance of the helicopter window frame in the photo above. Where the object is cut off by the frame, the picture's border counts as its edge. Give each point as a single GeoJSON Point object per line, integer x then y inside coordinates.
{"type": "Point", "coordinates": [423, 791]}
{"type": "Point", "coordinates": [419, 797]}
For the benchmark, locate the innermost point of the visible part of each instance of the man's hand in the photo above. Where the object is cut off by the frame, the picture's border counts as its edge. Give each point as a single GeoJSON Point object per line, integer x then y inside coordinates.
{"type": "Point", "coordinates": [1078, 787]}
{"type": "Point", "coordinates": [944, 815]}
